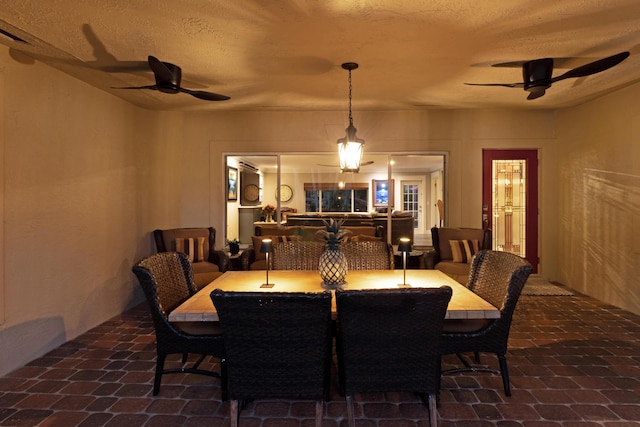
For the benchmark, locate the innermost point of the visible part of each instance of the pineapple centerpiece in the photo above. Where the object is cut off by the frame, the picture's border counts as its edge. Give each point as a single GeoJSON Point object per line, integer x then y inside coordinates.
{"type": "Point", "coordinates": [333, 264]}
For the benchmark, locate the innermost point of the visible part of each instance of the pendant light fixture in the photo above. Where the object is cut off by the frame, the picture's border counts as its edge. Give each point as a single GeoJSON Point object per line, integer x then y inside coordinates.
{"type": "Point", "coordinates": [350, 148]}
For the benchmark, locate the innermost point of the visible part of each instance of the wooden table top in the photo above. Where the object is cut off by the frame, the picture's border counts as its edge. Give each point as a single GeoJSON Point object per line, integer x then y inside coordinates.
{"type": "Point", "coordinates": [464, 304]}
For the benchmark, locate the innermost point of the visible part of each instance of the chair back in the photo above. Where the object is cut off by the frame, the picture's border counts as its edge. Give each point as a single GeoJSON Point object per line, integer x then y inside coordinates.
{"type": "Point", "coordinates": [203, 240]}
{"type": "Point", "coordinates": [360, 255]}
{"type": "Point", "coordinates": [389, 339]}
{"type": "Point", "coordinates": [368, 255]}
{"type": "Point", "coordinates": [498, 277]}
{"type": "Point", "coordinates": [278, 344]}
{"type": "Point", "coordinates": [297, 255]}
{"type": "Point", "coordinates": [167, 281]}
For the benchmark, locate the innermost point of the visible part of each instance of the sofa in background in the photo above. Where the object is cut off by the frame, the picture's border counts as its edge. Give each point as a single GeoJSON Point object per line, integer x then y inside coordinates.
{"type": "Point", "coordinates": [401, 222]}
{"type": "Point", "coordinates": [252, 259]}
{"type": "Point", "coordinates": [442, 257]}
{"type": "Point", "coordinates": [207, 263]}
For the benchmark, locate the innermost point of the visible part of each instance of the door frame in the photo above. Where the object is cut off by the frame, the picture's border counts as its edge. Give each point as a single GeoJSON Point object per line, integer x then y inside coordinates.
{"type": "Point", "coordinates": [531, 158]}
{"type": "Point", "coordinates": [422, 198]}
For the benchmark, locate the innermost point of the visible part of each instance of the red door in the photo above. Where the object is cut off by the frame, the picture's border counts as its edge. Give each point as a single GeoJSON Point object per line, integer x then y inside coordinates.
{"type": "Point", "coordinates": [510, 201]}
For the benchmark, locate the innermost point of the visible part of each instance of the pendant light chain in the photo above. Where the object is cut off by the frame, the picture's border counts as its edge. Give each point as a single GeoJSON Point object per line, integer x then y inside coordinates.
{"type": "Point", "coordinates": [350, 87]}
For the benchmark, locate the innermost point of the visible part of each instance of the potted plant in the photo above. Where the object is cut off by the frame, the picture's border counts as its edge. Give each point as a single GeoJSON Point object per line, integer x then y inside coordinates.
{"type": "Point", "coordinates": [267, 212]}
{"type": "Point", "coordinates": [234, 245]}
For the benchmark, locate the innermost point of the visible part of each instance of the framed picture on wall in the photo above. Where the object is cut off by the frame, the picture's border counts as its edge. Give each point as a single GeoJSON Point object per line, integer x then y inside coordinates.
{"type": "Point", "coordinates": [232, 183]}
{"type": "Point", "coordinates": [382, 193]}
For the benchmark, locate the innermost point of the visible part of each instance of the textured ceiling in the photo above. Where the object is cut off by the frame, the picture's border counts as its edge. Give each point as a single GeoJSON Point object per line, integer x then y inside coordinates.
{"type": "Point", "coordinates": [286, 54]}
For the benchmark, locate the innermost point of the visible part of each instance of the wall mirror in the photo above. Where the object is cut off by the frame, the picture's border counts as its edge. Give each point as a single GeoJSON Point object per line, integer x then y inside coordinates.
{"type": "Point", "coordinates": [312, 184]}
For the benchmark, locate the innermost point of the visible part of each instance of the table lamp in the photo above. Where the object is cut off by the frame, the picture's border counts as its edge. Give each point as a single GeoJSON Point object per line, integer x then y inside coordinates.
{"type": "Point", "coordinates": [266, 248]}
{"type": "Point", "coordinates": [405, 247]}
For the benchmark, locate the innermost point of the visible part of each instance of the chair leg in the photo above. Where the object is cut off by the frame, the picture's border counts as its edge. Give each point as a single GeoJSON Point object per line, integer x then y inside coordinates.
{"type": "Point", "coordinates": [223, 379]}
{"type": "Point", "coordinates": [158, 377]}
{"type": "Point", "coordinates": [350, 414]}
{"type": "Point", "coordinates": [233, 413]}
{"type": "Point", "coordinates": [433, 411]}
{"type": "Point", "coordinates": [502, 359]}
{"type": "Point", "coordinates": [319, 410]}
{"type": "Point", "coordinates": [464, 360]}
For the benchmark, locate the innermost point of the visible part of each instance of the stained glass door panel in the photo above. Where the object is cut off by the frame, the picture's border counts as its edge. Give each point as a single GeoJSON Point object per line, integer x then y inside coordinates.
{"type": "Point", "coordinates": [510, 201]}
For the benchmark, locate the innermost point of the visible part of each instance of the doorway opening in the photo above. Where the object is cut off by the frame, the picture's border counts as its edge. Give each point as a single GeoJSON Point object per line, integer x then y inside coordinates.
{"type": "Point", "coordinates": [312, 184]}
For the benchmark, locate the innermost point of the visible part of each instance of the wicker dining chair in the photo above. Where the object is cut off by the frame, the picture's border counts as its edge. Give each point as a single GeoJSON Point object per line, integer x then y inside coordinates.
{"type": "Point", "coordinates": [167, 281]}
{"type": "Point", "coordinates": [368, 255]}
{"type": "Point", "coordinates": [497, 277]}
{"type": "Point", "coordinates": [389, 340]}
{"type": "Point", "coordinates": [360, 255]}
{"type": "Point", "coordinates": [297, 255]}
{"type": "Point", "coordinates": [278, 346]}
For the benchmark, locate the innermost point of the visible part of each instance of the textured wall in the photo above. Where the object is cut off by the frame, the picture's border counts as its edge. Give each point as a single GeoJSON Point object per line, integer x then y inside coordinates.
{"type": "Point", "coordinates": [599, 209]}
{"type": "Point", "coordinates": [69, 209]}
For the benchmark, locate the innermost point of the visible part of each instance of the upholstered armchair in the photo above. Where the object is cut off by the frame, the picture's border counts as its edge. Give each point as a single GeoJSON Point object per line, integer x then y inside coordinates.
{"type": "Point", "coordinates": [454, 248]}
{"type": "Point", "coordinates": [199, 245]}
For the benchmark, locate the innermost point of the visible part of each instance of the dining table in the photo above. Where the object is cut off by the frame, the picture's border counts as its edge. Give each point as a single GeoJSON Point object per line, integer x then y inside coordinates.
{"type": "Point", "coordinates": [464, 303]}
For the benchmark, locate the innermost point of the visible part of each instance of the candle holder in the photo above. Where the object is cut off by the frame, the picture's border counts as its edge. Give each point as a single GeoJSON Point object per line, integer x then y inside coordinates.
{"type": "Point", "coordinates": [405, 247]}
{"type": "Point", "coordinates": [266, 248]}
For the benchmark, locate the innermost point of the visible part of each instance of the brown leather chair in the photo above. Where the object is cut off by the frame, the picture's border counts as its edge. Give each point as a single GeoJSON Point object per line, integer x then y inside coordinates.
{"type": "Point", "coordinates": [442, 257]}
{"type": "Point", "coordinates": [207, 263]}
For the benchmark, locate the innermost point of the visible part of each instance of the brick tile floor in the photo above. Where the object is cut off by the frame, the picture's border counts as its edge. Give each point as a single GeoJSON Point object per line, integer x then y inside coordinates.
{"type": "Point", "coordinates": [574, 362]}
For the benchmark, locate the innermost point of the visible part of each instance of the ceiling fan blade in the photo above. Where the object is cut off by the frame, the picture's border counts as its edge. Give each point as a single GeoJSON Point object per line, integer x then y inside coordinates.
{"type": "Point", "coordinates": [207, 96]}
{"type": "Point", "coordinates": [338, 166]}
{"type": "Point", "coordinates": [153, 87]}
{"type": "Point", "coordinates": [497, 84]}
{"type": "Point", "coordinates": [159, 69]}
{"type": "Point", "coordinates": [593, 67]}
{"type": "Point", "coordinates": [536, 92]}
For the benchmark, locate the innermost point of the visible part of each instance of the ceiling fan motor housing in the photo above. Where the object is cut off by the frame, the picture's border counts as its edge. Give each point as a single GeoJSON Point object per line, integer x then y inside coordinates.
{"type": "Point", "coordinates": [169, 83]}
{"type": "Point", "coordinates": [537, 73]}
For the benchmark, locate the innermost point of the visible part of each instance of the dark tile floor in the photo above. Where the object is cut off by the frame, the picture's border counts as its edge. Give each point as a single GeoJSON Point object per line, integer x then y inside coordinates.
{"type": "Point", "coordinates": [574, 362]}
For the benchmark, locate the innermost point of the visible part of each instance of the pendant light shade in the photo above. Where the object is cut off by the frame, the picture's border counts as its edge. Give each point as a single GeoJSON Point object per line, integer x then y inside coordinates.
{"type": "Point", "coordinates": [350, 148]}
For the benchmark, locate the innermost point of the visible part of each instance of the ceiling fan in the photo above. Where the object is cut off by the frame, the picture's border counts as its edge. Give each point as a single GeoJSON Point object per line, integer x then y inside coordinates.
{"type": "Point", "coordinates": [538, 78]}
{"type": "Point", "coordinates": [168, 78]}
{"type": "Point", "coordinates": [341, 171]}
